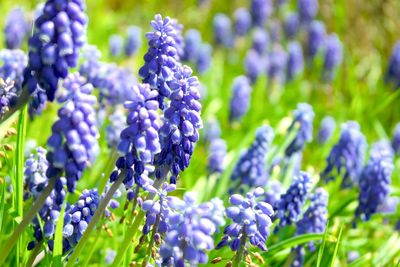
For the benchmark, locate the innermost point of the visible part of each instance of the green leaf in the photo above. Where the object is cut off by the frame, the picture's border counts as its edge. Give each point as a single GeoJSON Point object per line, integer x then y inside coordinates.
{"type": "Point", "coordinates": [2, 205]}
{"type": "Point", "coordinates": [361, 261]}
{"type": "Point", "coordinates": [297, 240]}
{"type": "Point", "coordinates": [58, 247]}
{"type": "Point", "coordinates": [337, 247]}
{"type": "Point", "coordinates": [322, 247]}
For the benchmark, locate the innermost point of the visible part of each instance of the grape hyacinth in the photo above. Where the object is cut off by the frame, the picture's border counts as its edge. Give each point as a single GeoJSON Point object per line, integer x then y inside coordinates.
{"type": "Point", "coordinates": [303, 124]}
{"type": "Point", "coordinates": [222, 30]}
{"type": "Point", "coordinates": [35, 173]}
{"type": "Point", "coordinates": [254, 65]}
{"type": "Point", "coordinates": [161, 59]}
{"type": "Point", "coordinates": [307, 9]}
{"type": "Point", "coordinates": [295, 61]}
{"type": "Point", "coordinates": [59, 33]}
{"type": "Point", "coordinates": [260, 41]}
{"type": "Point", "coordinates": [316, 216]}
{"type": "Point", "coordinates": [277, 64]}
{"type": "Point", "coordinates": [73, 143]}
{"type": "Point", "coordinates": [275, 29]}
{"type": "Point", "coordinates": [212, 130]}
{"type": "Point", "coordinates": [292, 25]}
{"type": "Point", "coordinates": [260, 11]}
{"type": "Point", "coordinates": [393, 69]}
{"type": "Point", "coordinates": [396, 139]}
{"type": "Point", "coordinates": [333, 56]}
{"type": "Point", "coordinates": [113, 130]}
{"type": "Point", "coordinates": [315, 39]}
{"type": "Point", "coordinates": [250, 169]}
{"type": "Point", "coordinates": [251, 221]}
{"type": "Point", "coordinates": [139, 140]}
{"type": "Point", "coordinates": [383, 148]}
{"type": "Point", "coordinates": [133, 40]}
{"type": "Point", "coordinates": [326, 129]}
{"type": "Point", "coordinates": [7, 95]}
{"type": "Point", "coordinates": [192, 45]}
{"type": "Point", "coordinates": [240, 99]}
{"type": "Point", "coordinates": [190, 232]}
{"type": "Point", "coordinates": [273, 193]}
{"type": "Point", "coordinates": [217, 154]}
{"type": "Point", "coordinates": [182, 123]}
{"type": "Point", "coordinates": [242, 22]}
{"type": "Point", "coordinates": [16, 28]}
{"type": "Point", "coordinates": [204, 58]}
{"type": "Point", "coordinates": [347, 156]}
{"type": "Point", "coordinates": [289, 207]}
{"type": "Point", "coordinates": [116, 45]}
{"type": "Point", "coordinates": [374, 185]}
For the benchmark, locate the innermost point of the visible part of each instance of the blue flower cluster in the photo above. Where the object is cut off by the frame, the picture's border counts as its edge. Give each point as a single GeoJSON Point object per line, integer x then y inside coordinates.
{"type": "Point", "coordinates": [212, 130]}
{"type": "Point", "coordinates": [191, 229]}
{"type": "Point", "coordinates": [347, 156]}
{"type": "Point", "coordinates": [251, 221]}
{"type": "Point", "coordinates": [292, 25]}
{"type": "Point", "coordinates": [326, 129]}
{"type": "Point", "coordinates": [374, 184]}
{"type": "Point", "coordinates": [7, 95]}
{"type": "Point", "coordinates": [197, 52]}
{"type": "Point", "coordinates": [253, 66]}
{"type": "Point", "coordinates": [303, 125]}
{"type": "Point", "coordinates": [295, 61]}
{"type": "Point", "coordinates": [139, 140]}
{"type": "Point", "coordinates": [182, 123]}
{"type": "Point", "coordinates": [242, 21]}
{"type": "Point", "coordinates": [260, 42]}
{"type": "Point", "coordinates": [114, 129]}
{"type": "Point", "coordinates": [240, 99]}
{"type": "Point", "coordinates": [73, 142]}
{"type": "Point", "coordinates": [333, 56]}
{"type": "Point", "coordinates": [116, 45]}
{"type": "Point", "coordinates": [277, 64]}
{"type": "Point", "coordinates": [260, 11]}
{"type": "Point", "coordinates": [250, 169]}
{"type": "Point", "coordinates": [273, 192]}
{"type": "Point", "coordinates": [393, 70]}
{"type": "Point", "coordinates": [35, 173]}
{"type": "Point", "coordinates": [161, 60]}
{"type": "Point", "coordinates": [315, 39]}
{"type": "Point", "coordinates": [222, 30]}
{"type": "Point", "coordinates": [289, 207]}
{"type": "Point", "coordinates": [60, 32]}
{"type": "Point", "coordinates": [16, 28]}
{"type": "Point", "coordinates": [216, 157]}
{"type": "Point", "coordinates": [133, 40]}
{"type": "Point", "coordinates": [307, 9]}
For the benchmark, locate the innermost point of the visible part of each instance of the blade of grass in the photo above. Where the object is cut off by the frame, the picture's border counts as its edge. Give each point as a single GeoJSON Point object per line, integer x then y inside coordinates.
{"type": "Point", "coordinates": [335, 252]}
{"type": "Point", "coordinates": [2, 205]}
{"type": "Point", "coordinates": [58, 244]}
{"type": "Point", "coordinates": [322, 247]}
{"type": "Point", "coordinates": [361, 261]}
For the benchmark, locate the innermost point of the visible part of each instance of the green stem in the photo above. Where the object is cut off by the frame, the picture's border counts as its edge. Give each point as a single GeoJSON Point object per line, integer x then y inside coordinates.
{"type": "Point", "coordinates": [151, 243]}
{"type": "Point", "coordinates": [133, 228]}
{"type": "Point", "coordinates": [34, 254]}
{"type": "Point", "coordinates": [96, 217]}
{"type": "Point", "coordinates": [6, 248]}
{"type": "Point", "coordinates": [239, 255]}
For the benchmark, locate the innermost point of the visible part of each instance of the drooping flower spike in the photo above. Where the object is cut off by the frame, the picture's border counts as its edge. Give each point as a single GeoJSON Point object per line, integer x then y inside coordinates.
{"type": "Point", "coordinates": [16, 28]}
{"type": "Point", "coordinates": [326, 129]}
{"type": "Point", "coordinates": [240, 99]}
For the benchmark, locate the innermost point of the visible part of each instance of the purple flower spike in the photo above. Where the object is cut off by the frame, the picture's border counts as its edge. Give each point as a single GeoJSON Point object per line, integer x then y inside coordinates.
{"type": "Point", "coordinates": [161, 60]}
{"type": "Point", "coordinates": [182, 123]}
{"type": "Point", "coordinates": [204, 58]}
{"type": "Point", "coordinates": [315, 39]}
{"type": "Point", "coordinates": [291, 203]}
{"type": "Point", "coordinates": [59, 33]}
{"type": "Point", "coordinates": [16, 28]}
{"type": "Point", "coordinates": [222, 30]}
{"type": "Point", "coordinates": [295, 61]}
{"type": "Point", "coordinates": [133, 40]}
{"type": "Point", "coordinates": [217, 153]}
{"type": "Point", "coordinates": [326, 129]}
{"type": "Point", "coordinates": [242, 21]}
{"type": "Point", "coordinates": [192, 45]}
{"type": "Point", "coordinates": [260, 41]}
{"type": "Point", "coordinates": [73, 143]}
{"type": "Point", "coordinates": [240, 99]}
{"type": "Point", "coordinates": [393, 69]}
{"type": "Point", "coordinates": [251, 221]}
{"type": "Point", "coordinates": [254, 65]}
{"type": "Point", "coordinates": [212, 130]}
{"type": "Point", "coordinates": [347, 156]}
{"type": "Point", "coordinates": [307, 9]}
{"type": "Point", "coordinates": [292, 25]}
{"type": "Point", "coordinates": [114, 129]}
{"type": "Point", "coordinates": [277, 64]}
{"type": "Point", "coordinates": [333, 56]}
{"type": "Point", "coordinates": [260, 11]}
{"type": "Point", "coordinates": [116, 45]}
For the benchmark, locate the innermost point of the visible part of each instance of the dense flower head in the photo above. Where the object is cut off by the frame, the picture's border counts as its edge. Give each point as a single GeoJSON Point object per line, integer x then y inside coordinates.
{"type": "Point", "coordinates": [307, 9]}
{"type": "Point", "coordinates": [216, 157]}
{"type": "Point", "coordinates": [222, 30]}
{"type": "Point", "coordinates": [212, 130]}
{"type": "Point", "coordinates": [276, 31]}
{"type": "Point", "coordinates": [303, 124]}
{"type": "Point", "coordinates": [191, 229]}
{"type": "Point", "coordinates": [16, 28]}
{"type": "Point", "coordinates": [254, 65]}
{"type": "Point", "coordinates": [374, 185]}
{"type": "Point", "coordinates": [273, 192]}
{"type": "Point", "coordinates": [161, 59]}
{"type": "Point", "coordinates": [114, 129]}
{"type": "Point", "coordinates": [326, 129]}
{"type": "Point", "coordinates": [289, 207]}
{"type": "Point", "coordinates": [179, 40]}
{"type": "Point", "coordinates": [291, 25]}
{"type": "Point", "coordinates": [133, 40]}
{"type": "Point", "coordinates": [333, 56]}
{"type": "Point", "coordinates": [240, 99]}
{"type": "Point", "coordinates": [250, 169]}
{"type": "Point", "coordinates": [73, 143]}
{"type": "Point", "coordinates": [315, 39]}
{"type": "Point", "coordinates": [182, 122]}
{"type": "Point", "coordinates": [157, 210]}
{"type": "Point", "coordinates": [78, 216]}
{"type": "Point", "coordinates": [295, 61]}
{"type": "Point", "coordinates": [347, 155]}
{"type": "Point", "coordinates": [192, 45]}
{"type": "Point", "coordinates": [35, 173]}
{"type": "Point", "coordinates": [396, 139]}
{"type": "Point", "coordinates": [383, 148]}
{"type": "Point", "coordinates": [242, 22]}
{"type": "Point", "coordinates": [139, 140]}
{"type": "Point", "coordinates": [116, 45]}
{"type": "Point", "coordinates": [393, 68]}
{"type": "Point", "coordinates": [7, 95]}
{"type": "Point", "coordinates": [260, 41]}
{"type": "Point", "coordinates": [277, 64]}
{"type": "Point", "coordinates": [59, 33]}
{"type": "Point", "coordinates": [251, 221]}
{"type": "Point", "coordinates": [204, 58]}
{"type": "Point", "coordinates": [260, 11]}
{"type": "Point", "coordinates": [315, 217]}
